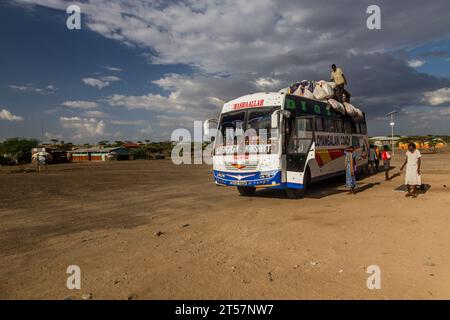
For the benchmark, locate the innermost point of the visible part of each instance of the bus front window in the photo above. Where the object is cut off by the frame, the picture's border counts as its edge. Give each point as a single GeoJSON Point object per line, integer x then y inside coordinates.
{"type": "Point", "coordinates": [231, 122]}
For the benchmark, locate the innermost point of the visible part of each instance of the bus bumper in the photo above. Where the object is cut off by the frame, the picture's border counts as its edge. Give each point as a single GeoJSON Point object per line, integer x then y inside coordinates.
{"type": "Point", "coordinates": [249, 179]}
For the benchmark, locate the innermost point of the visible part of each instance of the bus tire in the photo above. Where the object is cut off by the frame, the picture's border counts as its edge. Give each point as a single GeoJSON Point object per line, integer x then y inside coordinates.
{"type": "Point", "coordinates": [307, 179]}
{"type": "Point", "coordinates": [246, 191]}
{"type": "Point", "coordinates": [300, 193]}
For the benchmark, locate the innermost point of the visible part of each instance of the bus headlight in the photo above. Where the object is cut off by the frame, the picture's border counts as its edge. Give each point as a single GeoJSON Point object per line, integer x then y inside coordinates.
{"type": "Point", "coordinates": [221, 175]}
{"type": "Point", "coordinates": [268, 174]}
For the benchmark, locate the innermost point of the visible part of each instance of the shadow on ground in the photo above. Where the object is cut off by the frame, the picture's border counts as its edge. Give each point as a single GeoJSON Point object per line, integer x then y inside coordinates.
{"type": "Point", "coordinates": [422, 190]}
{"type": "Point", "coordinates": [319, 190]}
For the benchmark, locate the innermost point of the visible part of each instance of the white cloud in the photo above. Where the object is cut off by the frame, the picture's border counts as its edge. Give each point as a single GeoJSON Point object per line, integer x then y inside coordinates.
{"type": "Point", "coordinates": [84, 128]}
{"type": "Point", "coordinates": [445, 112]}
{"type": "Point", "coordinates": [237, 46]}
{"type": "Point", "coordinates": [50, 89]}
{"type": "Point", "coordinates": [110, 78]}
{"type": "Point", "coordinates": [416, 63]}
{"type": "Point", "coordinates": [52, 111]}
{"type": "Point", "coordinates": [267, 83]}
{"type": "Point", "coordinates": [8, 116]}
{"type": "Point", "coordinates": [80, 104]}
{"type": "Point", "coordinates": [146, 130]}
{"type": "Point", "coordinates": [96, 83]}
{"type": "Point", "coordinates": [234, 36]}
{"type": "Point", "coordinates": [146, 102]}
{"type": "Point", "coordinates": [128, 122]}
{"type": "Point", "coordinates": [437, 97]}
{"type": "Point", "coordinates": [101, 82]}
{"type": "Point", "coordinates": [56, 136]}
{"type": "Point", "coordinates": [115, 69]}
{"type": "Point", "coordinates": [196, 95]}
{"type": "Point", "coordinates": [95, 114]}
{"type": "Point", "coordinates": [216, 101]}
{"type": "Point", "coordinates": [176, 121]}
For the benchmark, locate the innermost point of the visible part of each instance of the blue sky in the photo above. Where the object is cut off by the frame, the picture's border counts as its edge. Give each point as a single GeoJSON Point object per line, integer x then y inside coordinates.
{"type": "Point", "coordinates": [139, 69]}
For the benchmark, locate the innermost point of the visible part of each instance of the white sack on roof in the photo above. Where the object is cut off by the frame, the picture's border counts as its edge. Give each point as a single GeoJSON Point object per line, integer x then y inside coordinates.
{"type": "Point", "coordinates": [304, 92]}
{"type": "Point", "coordinates": [350, 109]}
{"type": "Point", "coordinates": [323, 90]}
{"type": "Point", "coordinates": [354, 112]}
{"type": "Point", "coordinates": [337, 106]}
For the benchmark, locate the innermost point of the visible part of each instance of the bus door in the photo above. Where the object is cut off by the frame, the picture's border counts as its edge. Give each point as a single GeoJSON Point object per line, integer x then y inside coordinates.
{"type": "Point", "coordinates": [299, 140]}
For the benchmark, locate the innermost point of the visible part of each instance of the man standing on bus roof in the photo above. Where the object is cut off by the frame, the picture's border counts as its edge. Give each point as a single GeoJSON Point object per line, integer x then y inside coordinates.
{"type": "Point", "coordinates": [337, 75]}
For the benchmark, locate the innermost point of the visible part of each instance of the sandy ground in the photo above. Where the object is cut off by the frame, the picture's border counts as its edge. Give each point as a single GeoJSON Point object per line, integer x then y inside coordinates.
{"type": "Point", "coordinates": [105, 218]}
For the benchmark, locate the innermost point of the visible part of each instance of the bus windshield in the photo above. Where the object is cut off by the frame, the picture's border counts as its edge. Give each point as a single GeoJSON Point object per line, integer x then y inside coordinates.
{"type": "Point", "coordinates": [234, 121]}
{"type": "Point", "coordinates": [254, 119]}
{"type": "Point", "coordinates": [259, 120]}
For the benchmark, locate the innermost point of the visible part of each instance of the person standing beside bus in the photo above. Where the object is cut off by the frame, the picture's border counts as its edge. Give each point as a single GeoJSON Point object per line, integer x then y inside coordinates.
{"type": "Point", "coordinates": [350, 169]}
{"type": "Point", "coordinates": [338, 77]}
{"type": "Point", "coordinates": [372, 158]}
{"type": "Point", "coordinates": [386, 161]}
{"type": "Point", "coordinates": [377, 158]}
{"type": "Point", "coordinates": [412, 162]}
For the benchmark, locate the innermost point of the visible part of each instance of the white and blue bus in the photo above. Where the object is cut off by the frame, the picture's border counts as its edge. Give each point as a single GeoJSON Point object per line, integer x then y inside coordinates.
{"type": "Point", "coordinates": [308, 145]}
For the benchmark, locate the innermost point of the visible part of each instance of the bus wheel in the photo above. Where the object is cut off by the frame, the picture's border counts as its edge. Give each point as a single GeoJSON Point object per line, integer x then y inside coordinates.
{"type": "Point", "coordinates": [295, 193]}
{"type": "Point", "coordinates": [246, 191]}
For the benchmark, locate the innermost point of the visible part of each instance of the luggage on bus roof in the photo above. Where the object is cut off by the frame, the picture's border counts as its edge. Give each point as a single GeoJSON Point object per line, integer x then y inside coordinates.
{"type": "Point", "coordinates": [337, 106]}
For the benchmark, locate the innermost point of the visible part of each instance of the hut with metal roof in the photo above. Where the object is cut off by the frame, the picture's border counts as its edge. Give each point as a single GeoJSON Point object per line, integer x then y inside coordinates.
{"type": "Point", "coordinates": [99, 154]}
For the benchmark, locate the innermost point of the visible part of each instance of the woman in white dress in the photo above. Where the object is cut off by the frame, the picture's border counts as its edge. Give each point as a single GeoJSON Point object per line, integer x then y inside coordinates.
{"type": "Point", "coordinates": [412, 162]}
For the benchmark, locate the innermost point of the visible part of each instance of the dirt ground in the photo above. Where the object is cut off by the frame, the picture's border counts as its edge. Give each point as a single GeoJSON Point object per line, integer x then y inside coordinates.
{"type": "Point", "coordinates": [153, 230]}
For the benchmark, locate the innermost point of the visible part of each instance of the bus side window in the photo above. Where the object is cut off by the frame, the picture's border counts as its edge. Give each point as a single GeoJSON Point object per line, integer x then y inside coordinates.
{"type": "Point", "coordinates": [301, 136]}
{"type": "Point", "coordinates": [363, 128]}
{"type": "Point", "coordinates": [347, 127]}
{"type": "Point", "coordinates": [358, 129]}
{"type": "Point", "coordinates": [329, 125]}
{"type": "Point", "coordinates": [355, 141]}
{"type": "Point", "coordinates": [303, 127]}
{"type": "Point", "coordinates": [319, 124]}
{"type": "Point", "coordinates": [339, 126]}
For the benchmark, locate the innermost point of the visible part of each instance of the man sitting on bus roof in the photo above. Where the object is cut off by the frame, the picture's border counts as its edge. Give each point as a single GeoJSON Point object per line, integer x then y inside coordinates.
{"type": "Point", "coordinates": [337, 75]}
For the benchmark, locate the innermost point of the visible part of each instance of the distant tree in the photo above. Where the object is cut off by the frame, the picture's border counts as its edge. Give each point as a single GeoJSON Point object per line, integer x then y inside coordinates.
{"type": "Point", "coordinates": [147, 141]}
{"type": "Point", "coordinates": [54, 141]}
{"type": "Point", "coordinates": [19, 149]}
{"type": "Point", "coordinates": [139, 153]}
{"type": "Point", "coordinates": [87, 145]}
{"type": "Point", "coordinates": [66, 146]}
{"type": "Point", "coordinates": [118, 143]}
{"type": "Point", "coordinates": [103, 143]}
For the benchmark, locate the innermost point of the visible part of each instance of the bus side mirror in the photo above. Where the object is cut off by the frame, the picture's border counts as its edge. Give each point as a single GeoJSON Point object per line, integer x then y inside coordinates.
{"type": "Point", "coordinates": [207, 126]}
{"type": "Point", "coordinates": [275, 120]}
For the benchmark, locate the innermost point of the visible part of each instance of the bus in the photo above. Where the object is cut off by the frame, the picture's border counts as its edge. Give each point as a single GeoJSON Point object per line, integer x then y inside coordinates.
{"type": "Point", "coordinates": [304, 142]}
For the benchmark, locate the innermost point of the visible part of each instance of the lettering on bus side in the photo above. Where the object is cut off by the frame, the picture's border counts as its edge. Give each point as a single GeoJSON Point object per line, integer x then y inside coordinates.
{"type": "Point", "coordinates": [303, 106]}
{"type": "Point", "coordinates": [332, 140]}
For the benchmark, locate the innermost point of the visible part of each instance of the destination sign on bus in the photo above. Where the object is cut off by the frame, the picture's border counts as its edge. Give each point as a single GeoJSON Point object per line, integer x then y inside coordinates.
{"type": "Point", "coordinates": [251, 149]}
{"type": "Point", "coordinates": [332, 140]}
{"type": "Point", "coordinates": [248, 104]}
